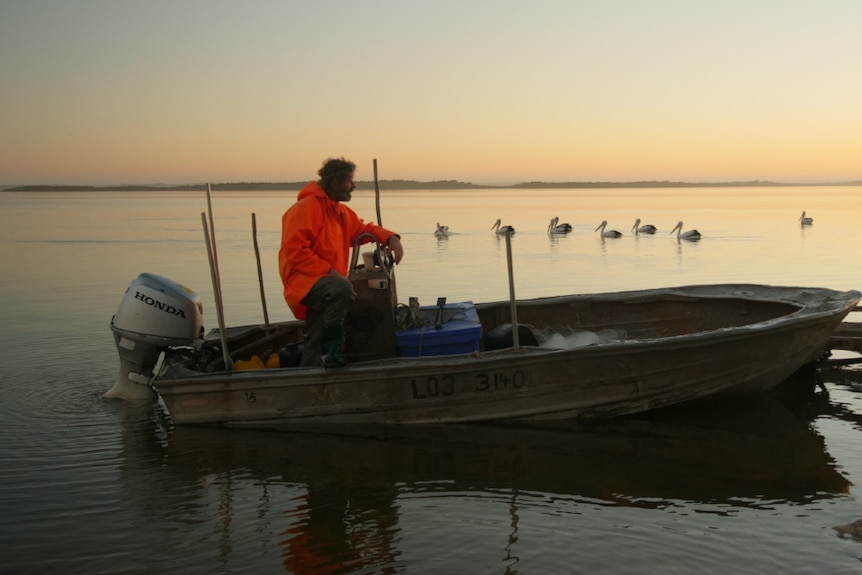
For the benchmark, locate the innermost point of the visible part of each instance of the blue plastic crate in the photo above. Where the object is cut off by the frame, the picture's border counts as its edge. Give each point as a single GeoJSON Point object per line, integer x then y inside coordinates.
{"type": "Point", "coordinates": [460, 333]}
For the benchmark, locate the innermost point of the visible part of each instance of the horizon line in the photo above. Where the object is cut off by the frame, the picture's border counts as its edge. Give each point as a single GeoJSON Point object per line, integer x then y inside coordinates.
{"type": "Point", "coordinates": [412, 184]}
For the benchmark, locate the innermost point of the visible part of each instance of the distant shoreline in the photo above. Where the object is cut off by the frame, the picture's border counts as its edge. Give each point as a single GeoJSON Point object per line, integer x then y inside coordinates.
{"type": "Point", "coordinates": [405, 185]}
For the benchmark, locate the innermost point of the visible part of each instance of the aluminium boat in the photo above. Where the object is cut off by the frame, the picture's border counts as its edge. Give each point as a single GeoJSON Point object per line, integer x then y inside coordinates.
{"type": "Point", "coordinates": [569, 357]}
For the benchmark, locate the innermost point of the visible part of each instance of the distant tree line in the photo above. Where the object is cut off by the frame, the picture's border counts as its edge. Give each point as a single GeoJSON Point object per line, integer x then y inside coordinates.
{"type": "Point", "coordinates": [401, 185]}
{"type": "Point", "coordinates": [246, 186]}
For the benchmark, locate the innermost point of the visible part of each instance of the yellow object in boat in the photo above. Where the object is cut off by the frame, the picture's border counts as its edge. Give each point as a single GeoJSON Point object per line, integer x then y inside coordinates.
{"type": "Point", "coordinates": [254, 363]}
{"type": "Point", "coordinates": [273, 361]}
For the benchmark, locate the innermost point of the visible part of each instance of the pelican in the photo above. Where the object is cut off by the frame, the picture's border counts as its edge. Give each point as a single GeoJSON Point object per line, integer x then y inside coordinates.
{"type": "Point", "coordinates": [441, 231]}
{"type": "Point", "coordinates": [607, 233]}
{"type": "Point", "coordinates": [643, 229]}
{"type": "Point", "coordinates": [502, 230]}
{"type": "Point", "coordinates": [690, 235]}
{"type": "Point", "coordinates": [555, 227]}
{"type": "Point", "coordinates": [805, 221]}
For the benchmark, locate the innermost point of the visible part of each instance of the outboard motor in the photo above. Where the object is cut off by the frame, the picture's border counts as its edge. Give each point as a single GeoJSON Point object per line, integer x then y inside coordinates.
{"type": "Point", "coordinates": [155, 314]}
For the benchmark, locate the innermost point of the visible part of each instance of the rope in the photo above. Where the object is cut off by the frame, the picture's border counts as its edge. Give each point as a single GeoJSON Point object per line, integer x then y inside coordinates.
{"type": "Point", "coordinates": [409, 316]}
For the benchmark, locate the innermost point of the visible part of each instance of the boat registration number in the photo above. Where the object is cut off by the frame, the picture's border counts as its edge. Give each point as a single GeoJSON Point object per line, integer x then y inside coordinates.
{"type": "Point", "coordinates": [447, 384]}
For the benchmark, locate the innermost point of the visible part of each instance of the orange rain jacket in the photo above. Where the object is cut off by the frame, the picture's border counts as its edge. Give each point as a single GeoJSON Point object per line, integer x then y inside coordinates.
{"type": "Point", "coordinates": [316, 235]}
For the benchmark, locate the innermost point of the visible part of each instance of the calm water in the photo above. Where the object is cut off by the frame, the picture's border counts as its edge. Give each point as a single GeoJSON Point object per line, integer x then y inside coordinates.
{"type": "Point", "coordinates": [91, 485]}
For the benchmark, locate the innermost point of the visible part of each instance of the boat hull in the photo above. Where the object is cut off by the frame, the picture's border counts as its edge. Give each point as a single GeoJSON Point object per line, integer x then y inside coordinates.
{"type": "Point", "coordinates": [674, 346]}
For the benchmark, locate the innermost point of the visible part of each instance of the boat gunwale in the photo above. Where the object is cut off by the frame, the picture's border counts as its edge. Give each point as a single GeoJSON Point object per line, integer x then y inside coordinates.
{"type": "Point", "coordinates": [836, 302]}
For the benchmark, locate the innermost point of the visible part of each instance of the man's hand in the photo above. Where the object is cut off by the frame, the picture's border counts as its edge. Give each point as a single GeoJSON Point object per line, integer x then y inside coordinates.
{"type": "Point", "coordinates": [395, 248]}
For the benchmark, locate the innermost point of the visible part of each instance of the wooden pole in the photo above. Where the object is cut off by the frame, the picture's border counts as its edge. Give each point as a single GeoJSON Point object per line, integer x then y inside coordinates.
{"type": "Point", "coordinates": [515, 339]}
{"type": "Point", "coordinates": [259, 270]}
{"type": "Point", "coordinates": [228, 365]}
{"type": "Point", "coordinates": [214, 270]}
{"type": "Point", "coordinates": [211, 235]}
{"type": "Point", "coordinates": [377, 195]}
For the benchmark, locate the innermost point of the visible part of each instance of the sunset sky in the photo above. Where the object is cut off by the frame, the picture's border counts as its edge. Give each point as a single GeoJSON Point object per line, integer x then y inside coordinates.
{"type": "Point", "coordinates": [187, 91]}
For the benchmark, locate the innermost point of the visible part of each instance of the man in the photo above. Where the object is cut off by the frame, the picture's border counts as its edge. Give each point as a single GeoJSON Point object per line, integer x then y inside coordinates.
{"type": "Point", "coordinates": [316, 235]}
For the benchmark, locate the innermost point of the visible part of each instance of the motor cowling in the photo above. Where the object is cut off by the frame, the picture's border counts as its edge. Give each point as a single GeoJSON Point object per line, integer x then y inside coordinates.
{"type": "Point", "coordinates": [155, 314]}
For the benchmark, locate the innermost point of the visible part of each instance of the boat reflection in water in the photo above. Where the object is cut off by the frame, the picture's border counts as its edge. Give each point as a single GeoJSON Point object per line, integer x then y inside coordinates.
{"type": "Point", "coordinates": [337, 497]}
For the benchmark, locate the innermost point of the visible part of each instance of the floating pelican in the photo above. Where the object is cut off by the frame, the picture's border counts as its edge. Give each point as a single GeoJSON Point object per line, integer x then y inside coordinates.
{"type": "Point", "coordinates": [607, 233]}
{"type": "Point", "coordinates": [805, 221]}
{"type": "Point", "coordinates": [690, 235]}
{"type": "Point", "coordinates": [502, 230]}
{"type": "Point", "coordinates": [556, 228]}
{"type": "Point", "coordinates": [643, 229]}
{"type": "Point", "coordinates": [441, 231]}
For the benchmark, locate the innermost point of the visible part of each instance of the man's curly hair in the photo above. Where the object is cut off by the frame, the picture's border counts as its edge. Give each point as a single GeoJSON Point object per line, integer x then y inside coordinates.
{"type": "Point", "coordinates": [335, 170]}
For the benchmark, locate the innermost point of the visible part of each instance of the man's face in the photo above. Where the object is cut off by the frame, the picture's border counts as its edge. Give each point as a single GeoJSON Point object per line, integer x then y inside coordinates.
{"type": "Point", "coordinates": [342, 190]}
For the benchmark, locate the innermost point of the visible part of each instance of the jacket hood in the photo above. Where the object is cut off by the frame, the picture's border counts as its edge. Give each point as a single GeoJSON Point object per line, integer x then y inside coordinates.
{"type": "Point", "coordinates": [312, 189]}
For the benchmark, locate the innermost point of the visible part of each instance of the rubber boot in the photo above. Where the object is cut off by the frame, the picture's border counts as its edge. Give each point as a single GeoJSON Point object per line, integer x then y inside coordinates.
{"type": "Point", "coordinates": [331, 345]}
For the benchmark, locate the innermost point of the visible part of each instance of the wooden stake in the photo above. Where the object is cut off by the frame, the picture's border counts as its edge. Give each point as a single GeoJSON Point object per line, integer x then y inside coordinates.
{"type": "Point", "coordinates": [209, 234]}
{"type": "Point", "coordinates": [377, 195]}
{"type": "Point", "coordinates": [259, 270]}
{"type": "Point", "coordinates": [515, 339]}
